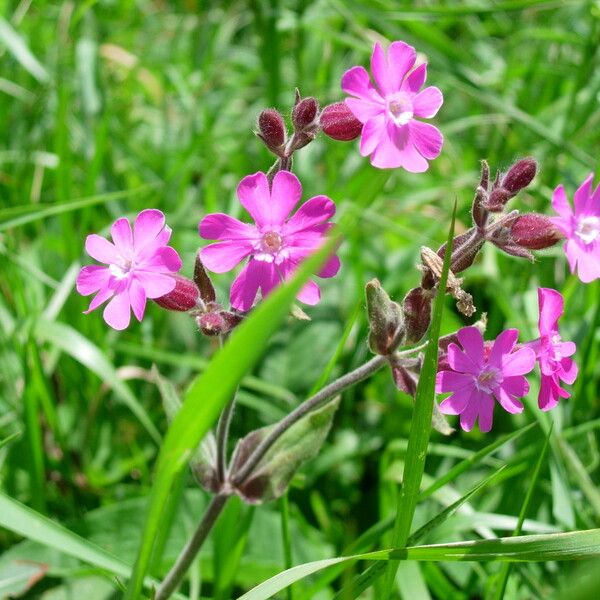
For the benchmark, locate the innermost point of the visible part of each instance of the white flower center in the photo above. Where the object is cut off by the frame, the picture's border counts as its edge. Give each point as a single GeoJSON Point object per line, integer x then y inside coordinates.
{"type": "Point", "coordinates": [400, 108]}
{"type": "Point", "coordinates": [588, 229]}
{"type": "Point", "coordinates": [121, 270]}
{"type": "Point", "coordinates": [489, 379]}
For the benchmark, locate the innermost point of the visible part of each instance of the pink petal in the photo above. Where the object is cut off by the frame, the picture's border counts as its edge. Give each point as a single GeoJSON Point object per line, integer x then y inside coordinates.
{"type": "Point", "coordinates": [379, 69]}
{"type": "Point", "coordinates": [427, 139]}
{"type": "Point", "coordinates": [582, 197]}
{"type": "Point", "coordinates": [357, 82]}
{"type": "Point", "coordinates": [516, 386]}
{"type": "Point", "coordinates": [518, 363]}
{"type": "Point", "coordinates": [567, 348]}
{"type": "Point", "coordinates": [401, 59]}
{"type": "Point", "coordinates": [471, 340]}
{"type": "Point", "coordinates": [462, 362]}
{"type": "Point", "coordinates": [508, 403]}
{"type": "Point", "coordinates": [313, 212]}
{"type": "Point", "coordinates": [451, 381]}
{"type": "Point", "coordinates": [392, 147]}
{"type": "Point", "coordinates": [255, 196]}
{"type": "Point", "coordinates": [245, 286]}
{"type": "Point", "coordinates": [469, 414]}
{"type": "Point", "coordinates": [155, 285]}
{"type": "Point", "coordinates": [163, 259]}
{"type": "Point", "coordinates": [416, 79]}
{"type": "Point", "coordinates": [122, 237]}
{"type": "Point", "coordinates": [101, 249]}
{"type": "Point", "coordinates": [117, 313]}
{"type": "Point", "coordinates": [148, 225]}
{"type": "Point", "coordinates": [455, 404]}
{"type": "Point", "coordinates": [310, 294]}
{"type": "Point", "coordinates": [588, 264]}
{"type": "Point", "coordinates": [551, 308]}
{"type": "Point", "coordinates": [548, 396]}
{"type": "Point", "coordinates": [486, 412]}
{"type": "Point", "coordinates": [364, 110]}
{"type": "Point", "coordinates": [561, 204]}
{"type": "Point", "coordinates": [331, 267]}
{"type": "Point", "coordinates": [286, 192]}
{"type": "Point", "coordinates": [224, 256]}
{"type": "Point", "coordinates": [102, 296]}
{"type": "Point", "coordinates": [503, 345]}
{"type": "Point", "coordinates": [219, 226]}
{"type": "Point", "coordinates": [568, 370]}
{"type": "Point", "coordinates": [91, 279]}
{"type": "Point", "coordinates": [573, 252]}
{"type": "Point", "coordinates": [137, 299]}
{"type": "Point", "coordinates": [427, 103]}
{"type": "Point", "coordinates": [372, 133]}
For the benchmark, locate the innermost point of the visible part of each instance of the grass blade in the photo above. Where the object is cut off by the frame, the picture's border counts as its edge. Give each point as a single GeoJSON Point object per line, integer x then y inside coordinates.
{"type": "Point", "coordinates": [420, 427]}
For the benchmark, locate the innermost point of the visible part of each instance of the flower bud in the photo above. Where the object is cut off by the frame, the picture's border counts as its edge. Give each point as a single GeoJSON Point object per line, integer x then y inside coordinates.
{"type": "Point", "coordinates": [465, 248]}
{"type": "Point", "coordinates": [520, 175]}
{"type": "Point", "coordinates": [271, 129]}
{"type": "Point", "coordinates": [207, 290]}
{"type": "Point", "coordinates": [304, 114]}
{"type": "Point", "coordinates": [403, 378]}
{"type": "Point", "coordinates": [338, 122]}
{"type": "Point", "coordinates": [416, 307]}
{"type": "Point", "coordinates": [385, 320]}
{"type": "Point", "coordinates": [478, 210]}
{"type": "Point", "coordinates": [534, 232]}
{"type": "Point", "coordinates": [182, 297]}
{"type": "Point", "coordinates": [498, 199]}
{"type": "Point", "coordinates": [217, 321]}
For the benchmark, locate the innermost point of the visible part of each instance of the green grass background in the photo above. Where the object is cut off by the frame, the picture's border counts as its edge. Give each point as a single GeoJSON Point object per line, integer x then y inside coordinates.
{"type": "Point", "coordinates": [110, 107]}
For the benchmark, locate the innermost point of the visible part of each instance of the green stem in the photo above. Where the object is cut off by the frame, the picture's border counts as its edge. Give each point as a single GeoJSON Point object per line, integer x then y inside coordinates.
{"type": "Point", "coordinates": [285, 535]}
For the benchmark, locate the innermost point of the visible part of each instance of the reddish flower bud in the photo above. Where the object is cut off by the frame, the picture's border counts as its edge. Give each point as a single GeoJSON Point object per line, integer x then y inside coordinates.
{"type": "Point", "coordinates": [498, 199]}
{"type": "Point", "coordinates": [338, 122]}
{"type": "Point", "coordinates": [304, 114]}
{"type": "Point", "coordinates": [417, 314]}
{"type": "Point", "coordinates": [535, 232]}
{"type": "Point", "coordinates": [403, 378]}
{"type": "Point", "coordinates": [271, 129]}
{"type": "Point", "coordinates": [182, 297]}
{"type": "Point", "coordinates": [465, 248]}
{"type": "Point", "coordinates": [207, 290]}
{"type": "Point", "coordinates": [520, 175]}
{"type": "Point", "coordinates": [211, 323]}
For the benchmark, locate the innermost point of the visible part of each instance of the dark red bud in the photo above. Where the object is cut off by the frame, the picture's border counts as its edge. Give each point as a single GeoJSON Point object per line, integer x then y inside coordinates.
{"type": "Point", "coordinates": [520, 175]}
{"type": "Point", "coordinates": [304, 114]}
{"type": "Point", "coordinates": [385, 320]}
{"type": "Point", "coordinates": [207, 290]}
{"type": "Point", "coordinates": [182, 298]}
{"type": "Point", "coordinates": [338, 122]}
{"type": "Point", "coordinates": [465, 248]}
{"type": "Point", "coordinates": [478, 210]}
{"type": "Point", "coordinates": [211, 323]}
{"type": "Point", "coordinates": [403, 378]}
{"type": "Point", "coordinates": [535, 232]}
{"type": "Point", "coordinates": [271, 129]}
{"type": "Point", "coordinates": [416, 307]}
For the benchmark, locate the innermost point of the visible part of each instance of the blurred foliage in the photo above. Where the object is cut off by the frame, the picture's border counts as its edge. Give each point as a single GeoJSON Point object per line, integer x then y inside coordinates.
{"type": "Point", "coordinates": [119, 106]}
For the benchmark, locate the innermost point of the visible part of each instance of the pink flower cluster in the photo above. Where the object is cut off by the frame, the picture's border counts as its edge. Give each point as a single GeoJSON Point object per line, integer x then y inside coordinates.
{"type": "Point", "coordinates": [480, 373]}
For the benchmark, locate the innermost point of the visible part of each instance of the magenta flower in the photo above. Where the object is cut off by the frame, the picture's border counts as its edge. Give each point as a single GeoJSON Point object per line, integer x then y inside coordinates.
{"type": "Point", "coordinates": [551, 352]}
{"type": "Point", "coordinates": [479, 374]}
{"type": "Point", "coordinates": [582, 228]}
{"type": "Point", "coordinates": [275, 244]}
{"type": "Point", "coordinates": [391, 134]}
{"type": "Point", "coordinates": [140, 265]}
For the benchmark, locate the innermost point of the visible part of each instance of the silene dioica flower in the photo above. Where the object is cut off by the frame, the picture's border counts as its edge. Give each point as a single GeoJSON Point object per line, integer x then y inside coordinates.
{"type": "Point", "coordinates": [480, 374]}
{"type": "Point", "coordinates": [551, 352]}
{"type": "Point", "coordinates": [139, 266]}
{"type": "Point", "coordinates": [581, 228]}
{"type": "Point", "coordinates": [275, 244]}
{"type": "Point", "coordinates": [392, 134]}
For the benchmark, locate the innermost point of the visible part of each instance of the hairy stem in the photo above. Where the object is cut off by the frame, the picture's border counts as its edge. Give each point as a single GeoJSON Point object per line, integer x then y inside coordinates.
{"type": "Point", "coordinates": [179, 569]}
{"type": "Point", "coordinates": [222, 439]}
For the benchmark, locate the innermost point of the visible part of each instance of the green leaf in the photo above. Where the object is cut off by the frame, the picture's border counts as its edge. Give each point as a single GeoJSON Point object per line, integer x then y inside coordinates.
{"type": "Point", "coordinates": [18, 48]}
{"type": "Point", "coordinates": [301, 442]}
{"type": "Point", "coordinates": [18, 577]}
{"type": "Point", "coordinates": [420, 427]}
{"type": "Point", "coordinates": [574, 545]}
{"type": "Point", "coordinates": [88, 354]}
{"type": "Point", "coordinates": [208, 395]}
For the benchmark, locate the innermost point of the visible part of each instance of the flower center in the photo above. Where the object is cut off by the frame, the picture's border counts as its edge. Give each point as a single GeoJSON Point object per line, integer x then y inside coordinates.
{"type": "Point", "coordinates": [121, 270]}
{"type": "Point", "coordinates": [489, 379]}
{"type": "Point", "coordinates": [588, 229]}
{"type": "Point", "coordinates": [271, 242]}
{"type": "Point", "coordinates": [400, 109]}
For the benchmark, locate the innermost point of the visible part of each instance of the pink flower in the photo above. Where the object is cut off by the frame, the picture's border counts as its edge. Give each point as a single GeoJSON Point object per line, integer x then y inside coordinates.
{"type": "Point", "coordinates": [139, 267]}
{"type": "Point", "coordinates": [581, 229]}
{"type": "Point", "coordinates": [551, 352]}
{"type": "Point", "coordinates": [479, 374]}
{"type": "Point", "coordinates": [391, 134]}
{"type": "Point", "coordinates": [275, 244]}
